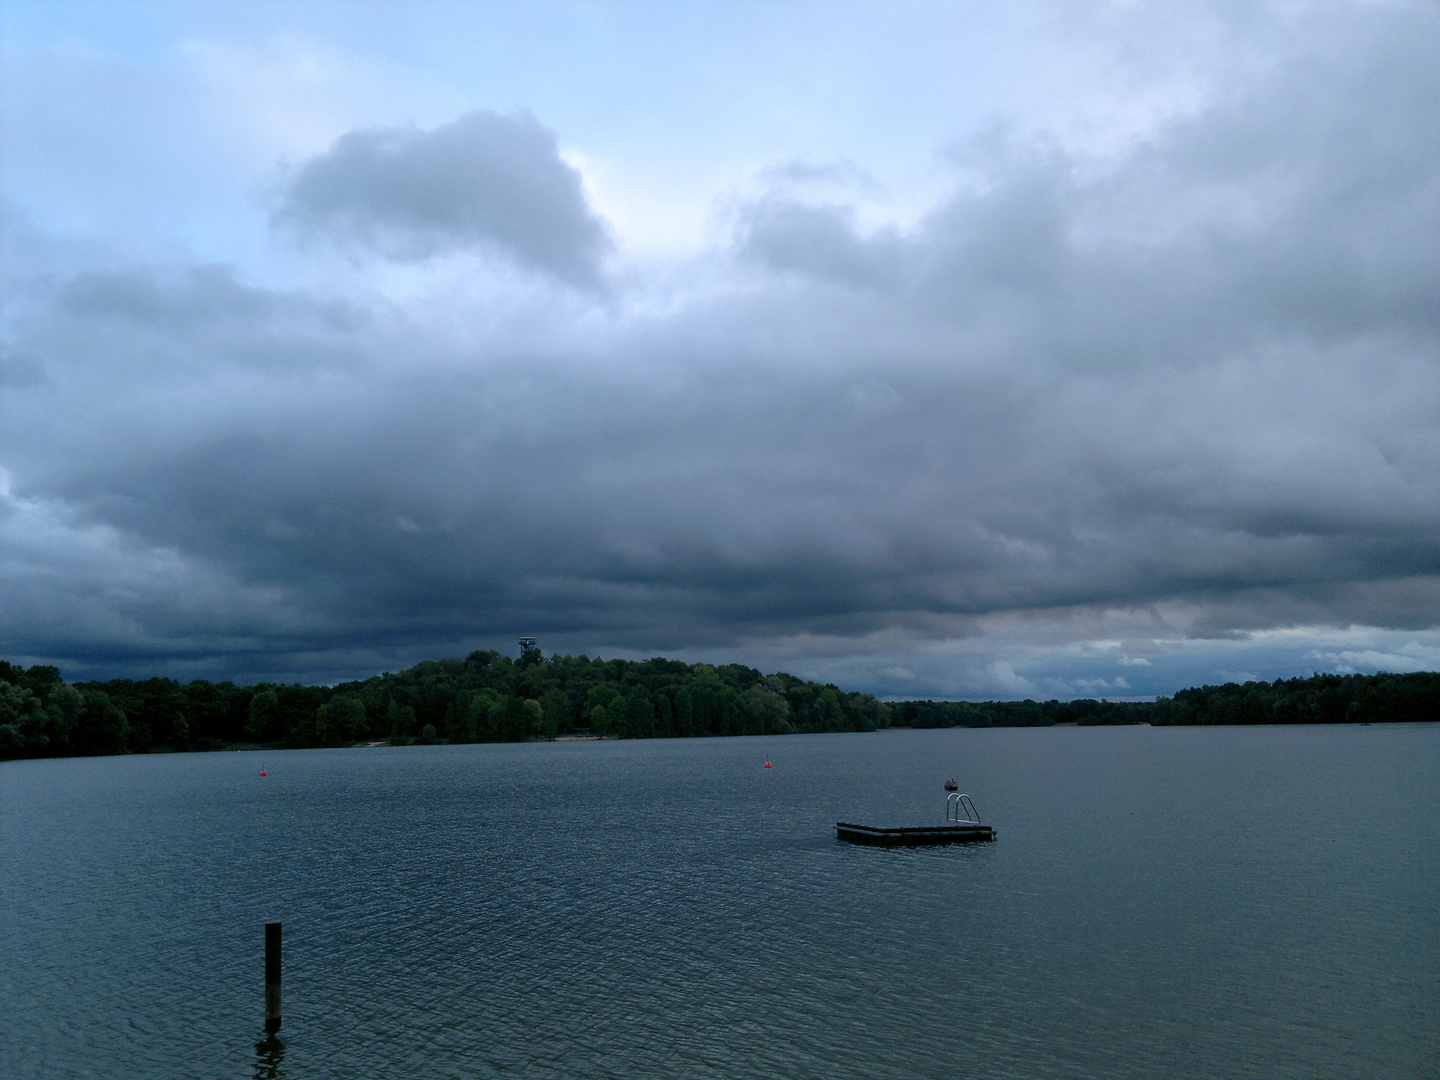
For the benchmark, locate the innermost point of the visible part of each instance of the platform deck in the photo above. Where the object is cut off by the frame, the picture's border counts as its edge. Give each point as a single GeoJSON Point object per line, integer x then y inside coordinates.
{"type": "Point", "coordinates": [913, 836]}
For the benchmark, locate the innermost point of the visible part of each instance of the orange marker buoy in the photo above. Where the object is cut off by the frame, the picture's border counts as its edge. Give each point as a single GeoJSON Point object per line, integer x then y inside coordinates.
{"type": "Point", "coordinates": [262, 772]}
{"type": "Point", "coordinates": [768, 765]}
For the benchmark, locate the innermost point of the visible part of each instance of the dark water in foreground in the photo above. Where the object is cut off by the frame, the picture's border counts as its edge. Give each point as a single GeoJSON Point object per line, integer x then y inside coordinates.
{"type": "Point", "coordinates": [1205, 902]}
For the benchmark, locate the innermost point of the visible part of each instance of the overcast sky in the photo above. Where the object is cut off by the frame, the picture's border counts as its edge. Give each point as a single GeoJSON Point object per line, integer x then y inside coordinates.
{"type": "Point", "coordinates": [933, 349]}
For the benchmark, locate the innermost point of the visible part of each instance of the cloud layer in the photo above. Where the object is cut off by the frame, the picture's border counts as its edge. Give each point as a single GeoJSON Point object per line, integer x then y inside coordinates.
{"type": "Point", "coordinates": [483, 180]}
{"type": "Point", "coordinates": [1102, 424]}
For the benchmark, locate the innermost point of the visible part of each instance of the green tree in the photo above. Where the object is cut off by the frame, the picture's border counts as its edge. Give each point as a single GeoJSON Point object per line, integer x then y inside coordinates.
{"type": "Point", "coordinates": [766, 711]}
{"type": "Point", "coordinates": [639, 713]}
{"type": "Point", "coordinates": [401, 723]}
{"type": "Point", "coordinates": [619, 712]}
{"type": "Point", "coordinates": [338, 721]}
{"type": "Point", "coordinates": [534, 717]}
{"type": "Point", "coordinates": [103, 728]}
{"type": "Point", "coordinates": [264, 724]}
{"type": "Point", "coordinates": [460, 726]}
{"type": "Point", "coordinates": [685, 712]}
{"type": "Point", "coordinates": [664, 716]}
{"type": "Point", "coordinates": [40, 678]}
{"type": "Point", "coordinates": [22, 722]}
{"type": "Point", "coordinates": [600, 720]}
{"type": "Point", "coordinates": [825, 713]}
{"type": "Point", "coordinates": [514, 720]}
{"type": "Point", "coordinates": [556, 708]}
{"type": "Point", "coordinates": [484, 711]}
{"type": "Point", "coordinates": [64, 705]}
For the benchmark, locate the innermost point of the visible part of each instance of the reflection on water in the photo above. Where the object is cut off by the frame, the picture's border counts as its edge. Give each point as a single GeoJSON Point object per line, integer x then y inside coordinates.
{"type": "Point", "coordinates": [1160, 902]}
{"type": "Point", "coordinates": [269, 1054]}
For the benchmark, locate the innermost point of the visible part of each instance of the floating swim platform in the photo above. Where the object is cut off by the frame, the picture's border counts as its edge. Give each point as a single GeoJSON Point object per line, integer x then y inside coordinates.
{"type": "Point", "coordinates": [913, 836]}
{"type": "Point", "coordinates": [956, 830]}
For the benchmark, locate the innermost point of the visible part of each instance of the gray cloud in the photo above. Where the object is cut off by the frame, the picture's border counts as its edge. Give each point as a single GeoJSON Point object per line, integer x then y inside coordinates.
{"type": "Point", "coordinates": [483, 180]}
{"type": "Point", "coordinates": [819, 241]}
{"type": "Point", "coordinates": [1080, 416]}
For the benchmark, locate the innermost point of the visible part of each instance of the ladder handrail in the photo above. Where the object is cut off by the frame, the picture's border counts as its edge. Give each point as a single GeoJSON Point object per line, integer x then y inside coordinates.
{"type": "Point", "coordinates": [961, 801]}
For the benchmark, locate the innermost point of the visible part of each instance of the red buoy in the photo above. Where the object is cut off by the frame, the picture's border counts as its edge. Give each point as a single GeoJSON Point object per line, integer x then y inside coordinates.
{"type": "Point", "coordinates": [262, 772]}
{"type": "Point", "coordinates": [768, 765]}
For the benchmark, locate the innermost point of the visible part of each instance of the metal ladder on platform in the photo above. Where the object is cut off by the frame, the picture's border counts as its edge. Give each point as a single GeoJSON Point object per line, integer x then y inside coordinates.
{"type": "Point", "coordinates": [955, 803]}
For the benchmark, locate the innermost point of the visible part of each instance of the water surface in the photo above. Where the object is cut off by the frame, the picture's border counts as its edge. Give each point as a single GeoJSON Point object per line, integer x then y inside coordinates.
{"type": "Point", "coordinates": [1183, 902]}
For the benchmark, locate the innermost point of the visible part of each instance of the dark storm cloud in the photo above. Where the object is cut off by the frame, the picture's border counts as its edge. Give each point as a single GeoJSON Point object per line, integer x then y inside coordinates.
{"type": "Point", "coordinates": [483, 180]}
{"type": "Point", "coordinates": [1190, 392]}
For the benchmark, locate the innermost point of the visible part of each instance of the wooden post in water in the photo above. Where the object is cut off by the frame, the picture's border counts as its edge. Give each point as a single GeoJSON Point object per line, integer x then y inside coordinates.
{"type": "Point", "coordinates": [272, 978]}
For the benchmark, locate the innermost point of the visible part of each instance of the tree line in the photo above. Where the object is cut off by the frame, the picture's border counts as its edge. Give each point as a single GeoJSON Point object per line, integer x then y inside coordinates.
{"type": "Point", "coordinates": [487, 697]}
{"type": "Point", "coordinates": [1319, 699]}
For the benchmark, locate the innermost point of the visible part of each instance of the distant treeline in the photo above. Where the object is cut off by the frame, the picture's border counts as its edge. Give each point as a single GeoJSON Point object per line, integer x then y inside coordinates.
{"type": "Point", "coordinates": [487, 697]}
{"type": "Point", "coordinates": [1320, 699]}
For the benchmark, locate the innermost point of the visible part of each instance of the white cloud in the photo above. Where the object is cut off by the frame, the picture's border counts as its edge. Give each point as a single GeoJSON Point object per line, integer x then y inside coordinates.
{"type": "Point", "coordinates": [1008, 683]}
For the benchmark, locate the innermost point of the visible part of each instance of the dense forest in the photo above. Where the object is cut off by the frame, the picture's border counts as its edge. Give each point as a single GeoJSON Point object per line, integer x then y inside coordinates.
{"type": "Point", "coordinates": [487, 697]}
{"type": "Point", "coordinates": [1320, 699]}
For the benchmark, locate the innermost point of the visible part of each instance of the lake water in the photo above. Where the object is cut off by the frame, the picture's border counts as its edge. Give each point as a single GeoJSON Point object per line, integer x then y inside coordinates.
{"type": "Point", "coordinates": [1182, 902]}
